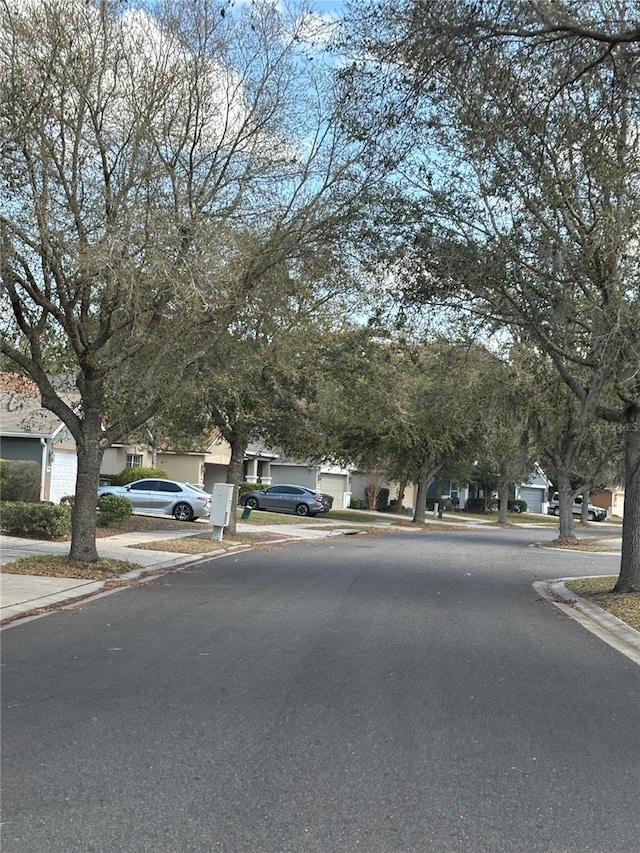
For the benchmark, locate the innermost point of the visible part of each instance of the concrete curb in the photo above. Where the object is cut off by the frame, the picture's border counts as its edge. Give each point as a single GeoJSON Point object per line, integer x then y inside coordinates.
{"type": "Point", "coordinates": [40, 605]}
{"type": "Point", "coordinates": [612, 630]}
{"type": "Point", "coordinates": [75, 591]}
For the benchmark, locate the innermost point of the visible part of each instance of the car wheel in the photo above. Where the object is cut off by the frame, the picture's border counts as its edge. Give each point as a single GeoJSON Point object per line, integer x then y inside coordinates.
{"type": "Point", "coordinates": [302, 509]}
{"type": "Point", "coordinates": [591, 516]}
{"type": "Point", "coordinates": [183, 512]}
{"type": "Point", "coordinates": [556, 510]}
{"type": "Point", "coordinates": [252, 503]}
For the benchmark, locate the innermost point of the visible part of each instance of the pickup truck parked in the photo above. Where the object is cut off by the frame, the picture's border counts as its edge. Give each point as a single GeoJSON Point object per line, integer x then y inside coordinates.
{"type": "Point", "coordinates": [594, 513]}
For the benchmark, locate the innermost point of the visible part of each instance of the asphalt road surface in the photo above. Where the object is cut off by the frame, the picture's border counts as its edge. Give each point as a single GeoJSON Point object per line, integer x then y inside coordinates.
{"type": "Point", "coordinates": [405, 692]}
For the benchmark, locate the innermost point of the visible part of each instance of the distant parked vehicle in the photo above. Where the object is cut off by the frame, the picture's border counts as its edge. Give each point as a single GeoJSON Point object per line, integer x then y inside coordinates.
{"type": "Point", "coordinates": [183, 501]}
{"type": "Point", "coordinates": [594, 513]}
{"type": "Point", "coordinates": [295, 499]}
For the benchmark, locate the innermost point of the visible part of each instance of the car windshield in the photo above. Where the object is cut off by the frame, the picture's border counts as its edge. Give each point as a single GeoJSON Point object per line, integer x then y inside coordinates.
{"type": "Point", "coordinates": [197, 489]}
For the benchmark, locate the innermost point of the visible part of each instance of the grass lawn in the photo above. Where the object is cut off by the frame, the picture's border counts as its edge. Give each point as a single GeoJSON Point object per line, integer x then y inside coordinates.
{"type": "Point", "coordinates": [599, 590]}
{"type": "Point", "coordinates": [355, 516]}
{"type": "Point", "coordinates": [202, 543]}
{"type": "Point", "coordinates": [60, 566]}
{"type": "Point", "coordinates": [585, 544]}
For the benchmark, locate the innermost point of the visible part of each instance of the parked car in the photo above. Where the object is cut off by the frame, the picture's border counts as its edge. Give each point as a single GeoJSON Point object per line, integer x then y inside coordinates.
{"type": "Point", "coordinates": [184, 501]}
{"type": "Point", "coordinates": [295, 499]}
{"type": "Point", "coordinates": [594, 513]}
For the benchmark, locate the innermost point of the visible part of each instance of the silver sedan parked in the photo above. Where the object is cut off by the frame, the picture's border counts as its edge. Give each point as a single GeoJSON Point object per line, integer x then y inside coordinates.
{"type": "Point", "coordinates": [184, 501]}
{"type": "Point", "coordinates": [295, 499]}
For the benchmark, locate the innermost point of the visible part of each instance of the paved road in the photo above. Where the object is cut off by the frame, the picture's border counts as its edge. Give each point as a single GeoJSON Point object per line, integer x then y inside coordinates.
{"type": "Point", "coordinates": [405, 692]}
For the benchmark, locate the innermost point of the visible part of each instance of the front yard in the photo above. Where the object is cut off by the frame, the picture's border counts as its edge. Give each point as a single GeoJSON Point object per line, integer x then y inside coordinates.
{"type": "Point", "coordinates": [200, 542]}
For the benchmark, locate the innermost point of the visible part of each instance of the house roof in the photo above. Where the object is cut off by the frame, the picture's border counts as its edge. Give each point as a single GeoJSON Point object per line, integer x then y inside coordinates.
{"type": "Point", "coordinates": [23, 415]}
{"type": "Point", "coordinates": [21, 411]}
{"type": "Point", "coordinates": [17, 384]}
{"type": "Point", "coordinates": [255, 448]}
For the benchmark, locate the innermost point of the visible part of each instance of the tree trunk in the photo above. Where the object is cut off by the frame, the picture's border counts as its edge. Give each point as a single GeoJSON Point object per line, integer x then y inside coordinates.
{"type": "Point", "coordinates": [419, 515]}
{"type": "Point", "coordinates": [503, 497]}
{"type": "Point", "coordinates": [84, 516]}
{"type": "Point", "coordinates": [375, 479]}
{"type": "Point", "coordinates": [565, 499]}
{"type": "Point", "coordinates": [238, 442]}
{"type": "Point", "coordinates": [629, 578]}
{"type": "Point", "coordinates": [427, 476]}
{"type": "Point", "coordinates": [402, 487]}
{"type": "Point", "coordinates": [584, 510]}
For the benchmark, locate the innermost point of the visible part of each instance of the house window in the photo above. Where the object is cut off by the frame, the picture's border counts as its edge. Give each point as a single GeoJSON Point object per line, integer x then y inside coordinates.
{"type": "Point", "coordinates": [134, 460]}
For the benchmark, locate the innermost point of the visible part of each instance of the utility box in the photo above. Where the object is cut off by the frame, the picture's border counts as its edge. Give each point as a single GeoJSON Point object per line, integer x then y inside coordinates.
{"type": "Point", "coordinates": [221, 505]}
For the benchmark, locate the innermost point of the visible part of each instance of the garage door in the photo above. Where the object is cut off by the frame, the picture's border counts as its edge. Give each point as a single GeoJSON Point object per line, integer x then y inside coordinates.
{"type": "Point", "coordinates": [64, 467]}
{"type": "Point", "coordinates": [533, 497]}
{"type": "Point", "coordinates": [334, 485]}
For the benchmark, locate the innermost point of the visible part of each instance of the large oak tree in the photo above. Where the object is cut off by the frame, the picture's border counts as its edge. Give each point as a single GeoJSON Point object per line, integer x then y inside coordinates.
{"type": "Point", "coordinates": [527, 161]}
{"type": "Point", "coordinates": [156, 165]}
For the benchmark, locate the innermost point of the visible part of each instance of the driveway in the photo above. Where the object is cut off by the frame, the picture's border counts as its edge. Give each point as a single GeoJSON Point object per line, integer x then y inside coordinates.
{"type": "Point", "coordinates": [406, 692]}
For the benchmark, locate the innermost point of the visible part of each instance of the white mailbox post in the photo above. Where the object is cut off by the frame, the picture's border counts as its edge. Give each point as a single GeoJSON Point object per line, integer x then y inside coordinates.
{"type": "Point", "coordinates": [221, 505]}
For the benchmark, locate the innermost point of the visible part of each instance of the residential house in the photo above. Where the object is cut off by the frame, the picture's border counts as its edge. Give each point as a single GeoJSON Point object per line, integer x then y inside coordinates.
{"type": "Point", "coordinates": [30, 433]}
{"type": "Point", "coordinates": [209, 466]}
{"type": "Point", "coordinates": [535, 491]}
{"type": "Point", "coordinates": [611, 499]}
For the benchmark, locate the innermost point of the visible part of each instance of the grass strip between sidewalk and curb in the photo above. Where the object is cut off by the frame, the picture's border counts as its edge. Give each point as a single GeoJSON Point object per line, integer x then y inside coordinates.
{"type": "Point", "coordinates": [599, 591]}
{"type": "Point", "coordinates": [60, 566]}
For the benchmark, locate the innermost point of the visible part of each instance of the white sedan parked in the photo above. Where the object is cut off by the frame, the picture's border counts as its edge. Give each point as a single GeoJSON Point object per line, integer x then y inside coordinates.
{"type": "Point", "coordinates": [184, 501]}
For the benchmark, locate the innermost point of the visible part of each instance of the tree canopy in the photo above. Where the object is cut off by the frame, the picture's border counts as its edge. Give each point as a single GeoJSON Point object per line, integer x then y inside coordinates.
{"type": "Point", "coordinates": [157, 164]}
{"type": "Point", "coordinates": [527, 162]}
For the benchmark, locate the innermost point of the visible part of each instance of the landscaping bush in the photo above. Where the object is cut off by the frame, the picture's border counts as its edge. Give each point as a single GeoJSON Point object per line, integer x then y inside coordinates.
{"type": "Point", "coordinates": [512, 506]}
{"type": "Point", "coordinates": [243, 488]}
{"type": "Point", "coordinates": [356, 503]}
{"type": "Point", "coordinates": [475, 505]}
{"type": "Point", "coordinates": [41, 520]}
{"type": "Point", "coordinates": [130, 475]}
{"type": "Point", "coordinates": [20, 480]}
{"type": "Point", "coordinates": [382, 501]}
{"type": "Point", "coordinates": [113, 510]}
{"type": "Point", "coordinates": [5, 479]}
{"type": "Point", "coordinates": [443, 503]}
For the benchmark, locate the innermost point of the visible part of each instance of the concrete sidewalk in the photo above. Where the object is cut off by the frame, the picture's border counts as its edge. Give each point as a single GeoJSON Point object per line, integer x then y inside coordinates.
{"type": "Point", "coordinates": [22, 594]}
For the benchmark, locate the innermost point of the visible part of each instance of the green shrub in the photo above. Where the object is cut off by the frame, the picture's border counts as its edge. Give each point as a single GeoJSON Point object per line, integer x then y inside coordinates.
{"type": "Point", "coordinates": [20, 480]}
{"type": "Point", "coordinates": [130, 475]}
{"type": "Point", "coordinates": [243, 488]}
{"type": "Point", "coordinates": [512, 506]}
{"type": "Point", "coordinates": [356, 503]}
{"type": "Point", "coordinates": [40, 520]}
{"type": "Point", "coordinates": [113, 510]}
{"type": "Point", "coordinates": [443, 503]}
{"type": "Point", "coordinates": [382, 500]}
{"type": "Point", "coordinates": [475, 505]}
{"type": "Point", "coordinates": [5, 479]}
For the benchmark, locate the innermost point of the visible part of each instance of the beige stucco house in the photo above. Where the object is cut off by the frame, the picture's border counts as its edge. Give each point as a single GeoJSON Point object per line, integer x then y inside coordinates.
{"type": "Point", "coordinates": [261, 466]}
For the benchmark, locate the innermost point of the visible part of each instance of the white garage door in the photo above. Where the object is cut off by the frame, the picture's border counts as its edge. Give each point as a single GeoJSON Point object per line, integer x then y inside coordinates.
{"type": "Point", "coordinates": [334, 485]}
{"type": "Point", "coordinates": [64, 467]}
{"type": "Point", "coordinates": [533, 497]}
